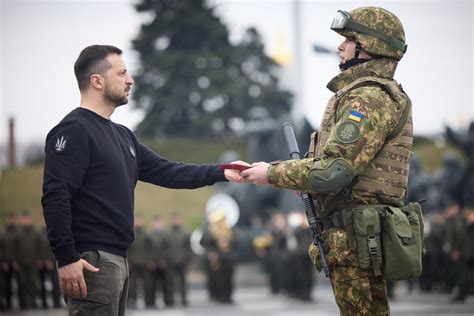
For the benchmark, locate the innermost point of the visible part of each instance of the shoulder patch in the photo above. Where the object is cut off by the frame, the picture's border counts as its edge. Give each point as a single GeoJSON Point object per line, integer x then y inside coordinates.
{"type": "Point", "coordinates": [348, 132]}
{"type": "Point", "coordinates": [60, 144]}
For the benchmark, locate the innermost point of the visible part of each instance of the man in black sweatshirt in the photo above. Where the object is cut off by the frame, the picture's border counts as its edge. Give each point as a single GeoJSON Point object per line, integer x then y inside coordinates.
{"type": "Point", "coordinates": [92, 166]}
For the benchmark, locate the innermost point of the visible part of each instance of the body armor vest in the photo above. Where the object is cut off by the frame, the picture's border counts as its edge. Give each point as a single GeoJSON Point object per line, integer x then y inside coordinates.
{"type": "Point", "coordinates": [386, 176]}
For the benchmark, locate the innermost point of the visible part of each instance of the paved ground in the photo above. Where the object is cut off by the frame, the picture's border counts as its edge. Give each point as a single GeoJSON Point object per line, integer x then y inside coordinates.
{"type": "Point", "coordinates": [251, 297]}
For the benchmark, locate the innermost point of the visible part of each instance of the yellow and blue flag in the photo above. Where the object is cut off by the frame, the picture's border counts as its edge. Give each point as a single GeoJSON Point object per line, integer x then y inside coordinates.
{"type": "Point", "coordinates": [355, 116]}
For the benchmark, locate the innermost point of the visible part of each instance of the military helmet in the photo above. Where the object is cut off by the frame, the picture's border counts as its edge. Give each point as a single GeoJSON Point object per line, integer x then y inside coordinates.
{"type": "Point", "coordinates": [378, 31]}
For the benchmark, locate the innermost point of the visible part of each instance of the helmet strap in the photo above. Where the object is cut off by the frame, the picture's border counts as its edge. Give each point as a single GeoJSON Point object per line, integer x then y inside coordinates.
{"type": "Point", "coordinates": [354, 61]}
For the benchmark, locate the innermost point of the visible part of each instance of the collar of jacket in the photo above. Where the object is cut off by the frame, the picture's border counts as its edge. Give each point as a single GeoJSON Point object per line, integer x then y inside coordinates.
{"type": "Point", "coordinates": [380, 67]}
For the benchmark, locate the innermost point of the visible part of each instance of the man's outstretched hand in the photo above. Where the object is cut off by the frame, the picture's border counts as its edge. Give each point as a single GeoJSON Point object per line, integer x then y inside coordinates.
{"type": "Point", "coordinates": [233, 175]}
{"type": "Point", "coordinates": [257, 174]}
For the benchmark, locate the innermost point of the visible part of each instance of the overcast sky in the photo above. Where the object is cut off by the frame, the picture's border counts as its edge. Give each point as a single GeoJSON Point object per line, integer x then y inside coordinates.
{"type": "Point", "coordinates": [40, 40]}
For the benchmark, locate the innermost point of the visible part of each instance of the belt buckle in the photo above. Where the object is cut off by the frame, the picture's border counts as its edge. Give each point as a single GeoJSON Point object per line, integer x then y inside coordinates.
{"type": "Point", "coordinates": [372, 245]}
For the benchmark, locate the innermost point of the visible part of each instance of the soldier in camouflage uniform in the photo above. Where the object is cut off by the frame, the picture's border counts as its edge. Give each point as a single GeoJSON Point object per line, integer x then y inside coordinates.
{"type": "Point", "coordinates": [360, 155]}
{"type": "Point", "coordinates": [9, 256]}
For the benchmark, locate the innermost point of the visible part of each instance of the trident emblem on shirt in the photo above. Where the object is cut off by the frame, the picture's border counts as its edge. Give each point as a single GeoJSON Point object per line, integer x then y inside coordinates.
{"type": "Point", "coordinates": [60, 144]}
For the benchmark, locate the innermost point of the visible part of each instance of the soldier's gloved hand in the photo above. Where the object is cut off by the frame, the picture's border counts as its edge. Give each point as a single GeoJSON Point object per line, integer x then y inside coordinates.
{"type": "Point", "coordinates": [72, 280]}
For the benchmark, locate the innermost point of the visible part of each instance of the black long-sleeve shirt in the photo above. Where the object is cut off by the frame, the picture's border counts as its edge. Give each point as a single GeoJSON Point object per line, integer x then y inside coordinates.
{"type": "Point", "coordinates": [91, 169]}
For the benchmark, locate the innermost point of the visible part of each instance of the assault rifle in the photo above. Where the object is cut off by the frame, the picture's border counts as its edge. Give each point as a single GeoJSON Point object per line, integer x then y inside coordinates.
{"type": "Point", "coordinates": [314, 222]}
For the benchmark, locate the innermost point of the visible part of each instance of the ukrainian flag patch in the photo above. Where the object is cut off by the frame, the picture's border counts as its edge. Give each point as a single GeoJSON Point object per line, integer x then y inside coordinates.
{"type": "Point", "coordinates": [355, 116]}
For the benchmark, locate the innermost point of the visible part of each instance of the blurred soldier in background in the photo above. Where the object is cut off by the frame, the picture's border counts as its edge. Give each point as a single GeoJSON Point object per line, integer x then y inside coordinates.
{"type": "Point", "coordinates": [160, 254]}
{"type": "Point", "coordinates": [465, 254]}
{"type": "Point", "coordinates": [27, 245]}
{"type": "Point", "coordinates": [449, 182]}
{"type": "Point", "coordinates": [179, 256]}
{"type": "Point", "coordinates": [304, 268]}
{"type": "Point", "coordinates": [465, 142]}
{"type": "Point", "coordinates": [418, 181]}
{"type": "Point", "coordinates": [289, 264]}
{"type": "Point", "coordinates": [456, 239]}
{"type": "Point", "coordinates": [2, 274]}
{"type": "Point", "coordinates": [9, 256]}
{"type": "Point", "coordinates": [141, 266]}
{"type": "Point", "coordinates": [267, 244]}
{"type": "Point", "coordinates": [47, 270]}
{"type": "Point", "coordinates": [441, 261]}
{"type": "Point", "coordinates": [461, 234]}
{"type": "Point", "coordinates": [219, 243]}
{"type": "Point", "coordinates": [278, 252]}
{"type": "Point", "coordinates": [262, 245]}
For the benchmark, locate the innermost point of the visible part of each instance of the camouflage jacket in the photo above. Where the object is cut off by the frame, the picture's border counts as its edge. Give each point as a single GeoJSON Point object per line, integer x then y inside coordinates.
{"type": "Point", "coordinates": [380, 115]}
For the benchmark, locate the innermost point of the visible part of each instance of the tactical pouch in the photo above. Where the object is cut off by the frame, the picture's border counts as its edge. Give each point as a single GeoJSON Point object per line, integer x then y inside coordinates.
{"type": "Point", "coordinates": [366, 227]}
{"type": "Point", "coordinates": [402, 242]}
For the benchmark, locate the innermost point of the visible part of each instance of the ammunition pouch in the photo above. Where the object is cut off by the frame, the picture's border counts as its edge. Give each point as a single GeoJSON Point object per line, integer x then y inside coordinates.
{"type": "Point", "coordinates": [366, 226]}
{"type": "Point", "coordinates": [389, 239]}
{"type": "Point", "coordinates": [402, 242]}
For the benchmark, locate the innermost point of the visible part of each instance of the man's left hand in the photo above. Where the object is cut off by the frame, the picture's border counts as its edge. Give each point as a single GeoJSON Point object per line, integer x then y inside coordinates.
{"type": "Point", "coordinates": [233, 175]}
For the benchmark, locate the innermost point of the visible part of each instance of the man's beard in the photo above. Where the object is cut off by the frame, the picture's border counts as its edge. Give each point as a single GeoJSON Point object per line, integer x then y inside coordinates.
{"type": "Point", "coordinates": [115, 98]}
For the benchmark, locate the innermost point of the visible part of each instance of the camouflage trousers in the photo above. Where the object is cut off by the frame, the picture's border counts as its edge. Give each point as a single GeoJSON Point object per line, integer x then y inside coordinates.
{"type": "Point", "coordinates": [357, 291]}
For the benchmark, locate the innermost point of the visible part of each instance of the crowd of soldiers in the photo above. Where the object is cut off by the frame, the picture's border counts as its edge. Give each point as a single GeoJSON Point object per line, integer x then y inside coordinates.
{"type": "Point", "coordinates": [448, 265]}
{"type": "Point", "coordinates": [158, 262]}
{"type": "Point", "coordinates": [28, 272]}
{"type": "Point", "coordinates": [29, 279]}
{"type": "Point", "coordinates": [283, 252]}
{"type": "Point", "coordinates": [280, 246]}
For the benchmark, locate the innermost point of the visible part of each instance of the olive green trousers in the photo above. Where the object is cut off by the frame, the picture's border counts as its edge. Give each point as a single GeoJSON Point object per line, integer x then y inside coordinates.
{"type": "Point", "coordinates": [107, 289]}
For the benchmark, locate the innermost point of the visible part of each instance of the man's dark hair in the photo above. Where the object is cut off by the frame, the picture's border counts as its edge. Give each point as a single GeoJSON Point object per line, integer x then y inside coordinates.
{"type": "Point", "coordinates": [92, 60]}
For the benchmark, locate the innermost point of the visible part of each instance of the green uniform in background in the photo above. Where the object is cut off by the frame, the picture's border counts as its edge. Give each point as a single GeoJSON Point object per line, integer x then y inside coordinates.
{"type": "Point", "coordinates": [2, 274]}
{"type": "Point", "coordinates": [9, 256]}
{"type": "Point", "coordinates": [47, 270]}
{"type": "Point", "coordinates": [27, 244]}
{"type": "Point", "coordinates": [141, 268]}
{"type": "Point", "coordinates": [160, 255]}
{"type": "Point", "coordinates": [179, 256]}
